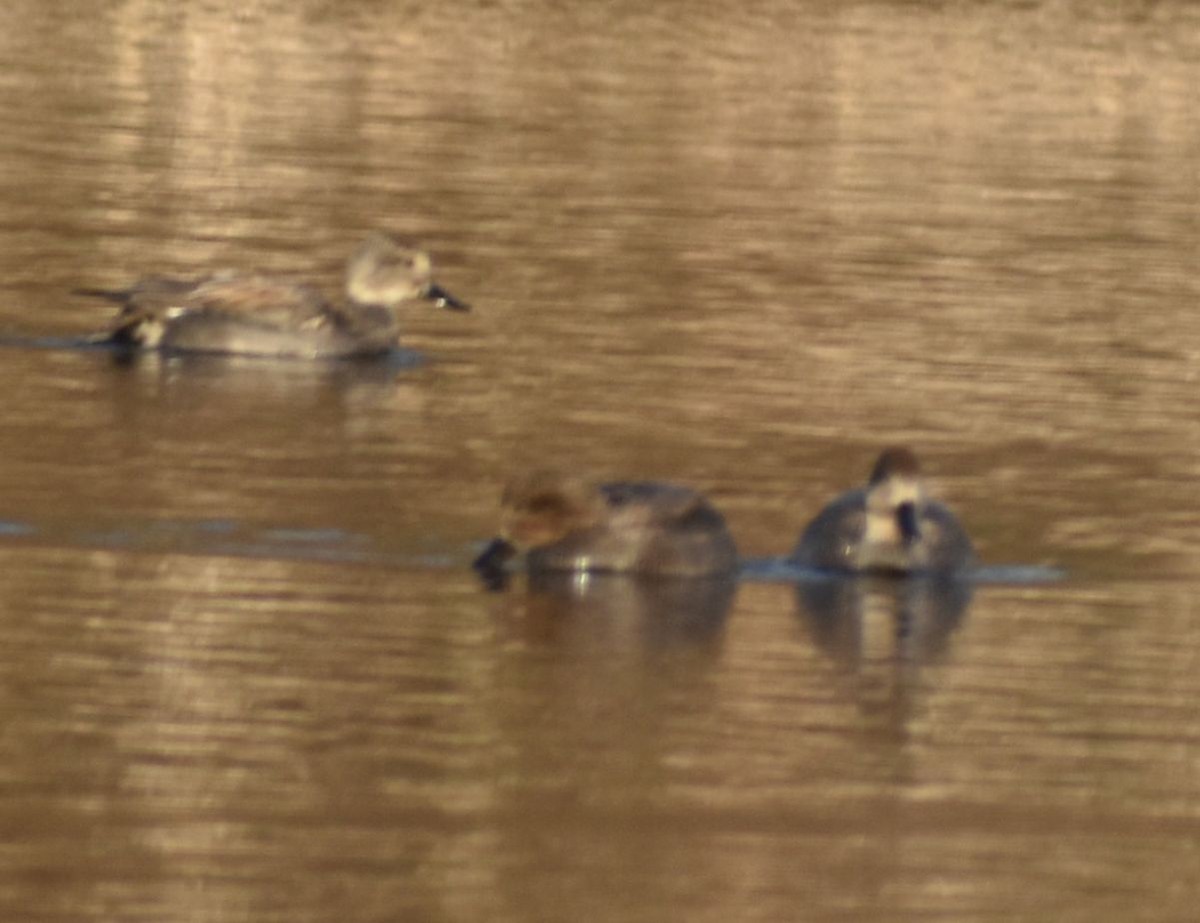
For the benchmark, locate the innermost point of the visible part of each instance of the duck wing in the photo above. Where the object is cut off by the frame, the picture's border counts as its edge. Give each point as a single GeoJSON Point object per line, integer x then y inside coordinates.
{"type": "Point", "coordinates": [260, 300]}
{"type": "Point", "coordinates": [151, 295]}
{"type": "Point", "coordinates": [651, 503]}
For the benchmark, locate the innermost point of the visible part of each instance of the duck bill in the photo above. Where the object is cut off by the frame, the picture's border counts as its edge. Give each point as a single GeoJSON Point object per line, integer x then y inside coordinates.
{"type": "Point", "coordinates": [443, 299]}
{"type": "Point", "coordinates": [906, 519]}
{"type": "Point", "coordinates": [493, 558]}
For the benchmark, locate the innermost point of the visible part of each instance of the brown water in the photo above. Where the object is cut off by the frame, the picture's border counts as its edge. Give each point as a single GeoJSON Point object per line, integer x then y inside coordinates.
{"type": "Point", "coordinates": [245, 671]}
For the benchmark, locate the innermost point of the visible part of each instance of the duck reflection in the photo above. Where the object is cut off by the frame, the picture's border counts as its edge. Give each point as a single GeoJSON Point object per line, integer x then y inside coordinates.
{"type": "Point", "coordinates": [881, 629]}
{"type": "Point", "coordinates": [624, 611]}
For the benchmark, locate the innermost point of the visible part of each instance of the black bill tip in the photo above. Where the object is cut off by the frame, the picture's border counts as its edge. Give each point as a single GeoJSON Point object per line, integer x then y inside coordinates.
{"type": "Point", "coordinates": [490, 563]}
{"type": "Point", "coordinates": [906, 519]}
{"type": "Point", "coordinates": [443, 299]}
{"type": "Point", "coordinates": [497, 553]}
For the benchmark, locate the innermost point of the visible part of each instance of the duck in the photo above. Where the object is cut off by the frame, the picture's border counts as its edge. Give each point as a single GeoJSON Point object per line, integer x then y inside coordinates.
{"type": "Point", "coordinates": [257, 314]}
{"type": "Point", "coordinates": [889, 526]}
{"type": "Point", "coordinates": [564, 523]}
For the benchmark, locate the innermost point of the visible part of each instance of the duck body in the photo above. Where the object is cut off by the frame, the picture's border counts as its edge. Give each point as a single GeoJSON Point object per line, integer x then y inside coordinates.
{"type": "Point", "coordinates": [255, 314]}
{"type": "Point", "coordinates": [889, 526]}
{"type": "Point", "coordinates": [635, 527]}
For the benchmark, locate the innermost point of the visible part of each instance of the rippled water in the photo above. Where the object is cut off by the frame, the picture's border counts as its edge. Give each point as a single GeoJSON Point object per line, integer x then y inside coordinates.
{"type": "Point", "coordinates": [246, 672]}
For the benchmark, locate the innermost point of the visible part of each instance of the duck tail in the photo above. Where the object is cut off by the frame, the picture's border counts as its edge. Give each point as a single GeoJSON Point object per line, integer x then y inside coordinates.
{"type": "Point", "coordinates": [108, 294]}
{"type": "Point", "coordinates": [125, 331]}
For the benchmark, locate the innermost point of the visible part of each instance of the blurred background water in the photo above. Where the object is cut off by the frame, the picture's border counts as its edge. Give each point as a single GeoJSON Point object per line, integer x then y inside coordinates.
{"type": "Point", "coordinates": [245, 671]}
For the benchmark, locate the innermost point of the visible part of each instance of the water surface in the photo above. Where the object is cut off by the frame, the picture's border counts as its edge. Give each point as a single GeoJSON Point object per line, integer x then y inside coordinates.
{"type": "Point", "coordinates": [246, 671]}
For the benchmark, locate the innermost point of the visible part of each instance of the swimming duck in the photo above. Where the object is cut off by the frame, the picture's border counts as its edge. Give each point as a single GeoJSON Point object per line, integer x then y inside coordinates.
{"type": "Point", "coordinates": [228, 312]}
{"type": "Point", "coordinates": [563, 523]}
{"type": "Point", "coordinates": [888, 526]}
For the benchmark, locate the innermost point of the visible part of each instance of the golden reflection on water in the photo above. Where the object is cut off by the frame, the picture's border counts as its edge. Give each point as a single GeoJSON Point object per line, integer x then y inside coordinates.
{"type": "Point", "coordinates": [246, 673]}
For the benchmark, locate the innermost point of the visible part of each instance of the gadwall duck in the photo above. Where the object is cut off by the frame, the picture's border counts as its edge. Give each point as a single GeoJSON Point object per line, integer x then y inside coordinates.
{"type": "Point", "coordinates": [565, 523]}
{"type": "Point", "coordinates": [891, 525]}
{"type": "Point", "coordinates": [228, 312]}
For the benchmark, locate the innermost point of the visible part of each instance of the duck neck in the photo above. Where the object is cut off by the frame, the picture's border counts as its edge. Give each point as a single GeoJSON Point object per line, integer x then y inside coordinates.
{"type": "Point", "coordinates": [366, 319]}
